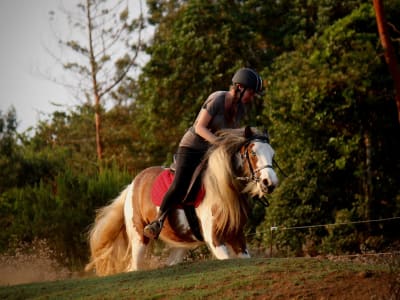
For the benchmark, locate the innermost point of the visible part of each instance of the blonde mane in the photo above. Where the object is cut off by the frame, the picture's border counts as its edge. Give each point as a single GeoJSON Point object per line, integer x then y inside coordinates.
{"type": "Point", "coordinates": [228, 205]}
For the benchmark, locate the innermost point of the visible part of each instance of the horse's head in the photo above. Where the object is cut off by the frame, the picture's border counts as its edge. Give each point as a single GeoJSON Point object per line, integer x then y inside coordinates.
{"type": "Point", "coordinates": [235, 158]}
{"type": "Point", "coordinates": [257, 158]}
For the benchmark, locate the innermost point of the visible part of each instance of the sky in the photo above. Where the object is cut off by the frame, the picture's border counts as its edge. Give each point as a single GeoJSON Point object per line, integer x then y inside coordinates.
{"type": "Point", "coordinates": [26, 66]}
{"type": "Point", "coordinates": [24, 34]}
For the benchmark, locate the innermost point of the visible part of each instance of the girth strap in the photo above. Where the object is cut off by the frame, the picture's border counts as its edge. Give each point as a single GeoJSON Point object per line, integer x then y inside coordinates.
{"type": "Point", "coordinates": [195, 182]}
{"type": "Point", "coordinates": [193, 221]}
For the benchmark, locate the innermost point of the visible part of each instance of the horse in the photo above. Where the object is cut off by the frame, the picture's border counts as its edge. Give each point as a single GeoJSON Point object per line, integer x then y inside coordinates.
{"type": "Point", "coordinates": [238, 166]}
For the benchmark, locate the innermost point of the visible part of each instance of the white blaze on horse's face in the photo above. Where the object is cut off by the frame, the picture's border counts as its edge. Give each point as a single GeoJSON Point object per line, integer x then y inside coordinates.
{"type": "Point", "coordinates": [261, 155]}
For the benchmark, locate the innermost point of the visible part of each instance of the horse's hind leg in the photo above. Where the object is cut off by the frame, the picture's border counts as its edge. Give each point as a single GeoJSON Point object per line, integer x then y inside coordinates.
{"type": "Point", "coordinates": [176, 256]}
{"type": "Point", "coordinates": [137, 246]}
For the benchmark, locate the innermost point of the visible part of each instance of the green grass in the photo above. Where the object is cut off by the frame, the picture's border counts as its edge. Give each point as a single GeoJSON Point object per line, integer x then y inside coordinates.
{"type": "Point", "coordinates": [239, 279]}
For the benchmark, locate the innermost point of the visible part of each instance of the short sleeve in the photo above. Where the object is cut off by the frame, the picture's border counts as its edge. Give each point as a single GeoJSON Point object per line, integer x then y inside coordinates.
{"type": "Point", "coordinates": [214, 103]}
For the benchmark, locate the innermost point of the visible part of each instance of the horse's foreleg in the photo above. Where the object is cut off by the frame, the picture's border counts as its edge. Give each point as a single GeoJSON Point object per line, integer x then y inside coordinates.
{"type": "Point", "coordinates": [227, 251]}
{"type": "Point", "coordinates": [244, 254]}
{"type": "Point", "coordinates": [220, 251]}
{"type": "Point", "coordinates": [229, 247]}
{"type": "Point", "coordinates": [225, 246]}
{"type": "Point", "coordinates": [238, 245]}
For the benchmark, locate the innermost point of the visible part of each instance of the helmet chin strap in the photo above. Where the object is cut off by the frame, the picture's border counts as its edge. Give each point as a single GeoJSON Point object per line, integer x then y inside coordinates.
{"type": "Point", "coordinates": [241, 92]}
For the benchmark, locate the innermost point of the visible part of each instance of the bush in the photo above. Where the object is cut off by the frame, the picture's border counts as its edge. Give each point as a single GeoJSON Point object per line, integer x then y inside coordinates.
{"type": "Point", "coordinates": [61, 211]}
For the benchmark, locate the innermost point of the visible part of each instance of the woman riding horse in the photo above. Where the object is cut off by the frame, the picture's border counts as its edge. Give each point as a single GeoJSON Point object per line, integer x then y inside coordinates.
{"type": "Point", "coordinates": [222, 110]}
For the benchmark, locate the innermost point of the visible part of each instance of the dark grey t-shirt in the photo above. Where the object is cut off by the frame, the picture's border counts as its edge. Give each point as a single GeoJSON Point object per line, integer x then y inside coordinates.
{"type": "Point", "coordinates": [215, 106]}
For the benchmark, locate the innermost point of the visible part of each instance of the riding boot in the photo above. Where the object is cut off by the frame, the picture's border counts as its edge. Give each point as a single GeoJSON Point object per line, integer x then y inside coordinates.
{"type": "Point", "coordinates": [153, 229]}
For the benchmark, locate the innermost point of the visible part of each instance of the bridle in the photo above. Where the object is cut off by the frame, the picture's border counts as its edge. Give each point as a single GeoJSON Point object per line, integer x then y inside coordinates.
{"type": "Point", "coordinates": [253, 172]}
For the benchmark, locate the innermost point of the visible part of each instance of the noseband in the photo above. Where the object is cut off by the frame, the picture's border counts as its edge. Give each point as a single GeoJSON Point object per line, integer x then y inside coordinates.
{"type": "Point", "coordinates": [253, 172]}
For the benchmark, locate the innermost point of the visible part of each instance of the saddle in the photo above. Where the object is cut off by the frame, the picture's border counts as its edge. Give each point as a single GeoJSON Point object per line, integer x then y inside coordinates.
{"type": "Point", "coordinates": [193, 198]}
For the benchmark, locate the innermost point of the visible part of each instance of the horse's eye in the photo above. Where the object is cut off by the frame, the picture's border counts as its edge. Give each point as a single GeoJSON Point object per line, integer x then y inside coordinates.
{"type": "Point", "coordinates": [253, 153]}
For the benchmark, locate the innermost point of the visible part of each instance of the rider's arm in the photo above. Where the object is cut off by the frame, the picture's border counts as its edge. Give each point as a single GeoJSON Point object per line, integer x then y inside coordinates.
{"type": "Point", "coordinates": [200, 127]}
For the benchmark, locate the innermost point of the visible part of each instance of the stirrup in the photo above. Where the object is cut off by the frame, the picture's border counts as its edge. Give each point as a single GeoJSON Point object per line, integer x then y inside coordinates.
{"type": "Point", "coordinates": [153, 229]}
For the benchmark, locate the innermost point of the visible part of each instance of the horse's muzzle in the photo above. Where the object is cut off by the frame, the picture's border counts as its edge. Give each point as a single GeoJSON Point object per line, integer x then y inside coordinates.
{"type": "Point", "coordinates": [267, 186]}
{"type": "Point", "coordinates": [270, 189]}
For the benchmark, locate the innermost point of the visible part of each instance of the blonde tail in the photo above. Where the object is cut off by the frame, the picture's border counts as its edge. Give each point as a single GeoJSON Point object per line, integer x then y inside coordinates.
{"type": "Point", "coordinates": [109, 246]}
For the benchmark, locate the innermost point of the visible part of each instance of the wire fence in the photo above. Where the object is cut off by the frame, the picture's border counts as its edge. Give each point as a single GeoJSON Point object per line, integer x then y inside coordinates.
{"type": "Point", "coordinates": [282, 227]}
{"type": "Point", "coordinates": [332, 224]}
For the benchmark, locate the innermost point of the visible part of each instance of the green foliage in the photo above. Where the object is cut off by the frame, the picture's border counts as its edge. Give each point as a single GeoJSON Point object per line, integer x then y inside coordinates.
{"type": "Point", "coordinates": [52, 187]}
{"type": "Point", "coordinates": [342, 236]}
{"type": "Point", "coordinates": [123, 144]}
{"type": "Point", "coordinates": [324, 104]}
{"type": "Point", "coordinates": [60, 210]}
{"type": "Point", "coordinates": [195, 51]}
{"type": "Point", "coordinates": [9, 150]}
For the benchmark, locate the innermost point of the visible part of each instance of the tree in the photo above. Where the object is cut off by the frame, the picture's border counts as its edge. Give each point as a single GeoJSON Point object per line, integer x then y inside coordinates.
{"type": "Point", "coordinates": [332, 116]}
{"type": "Point", "coordinates": [105, 54]}
{"type": "Point", "coordinates": [389, 52]}
{"type": "Point", "coordinates": [197, 47]}
{"type": "Point", "coordinates": [9, 150]}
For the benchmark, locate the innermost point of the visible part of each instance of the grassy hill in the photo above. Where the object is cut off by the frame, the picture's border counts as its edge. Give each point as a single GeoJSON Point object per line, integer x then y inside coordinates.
{"type": "Point", "coordinates": [256, 278]}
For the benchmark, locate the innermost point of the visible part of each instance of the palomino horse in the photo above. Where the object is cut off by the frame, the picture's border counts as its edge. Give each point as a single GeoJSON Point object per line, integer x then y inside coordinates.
{"type": "Point", "coordinates": [239, 165]}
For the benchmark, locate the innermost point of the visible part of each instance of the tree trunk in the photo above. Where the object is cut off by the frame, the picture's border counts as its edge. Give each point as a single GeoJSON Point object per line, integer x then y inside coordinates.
{"type": "Point", "coordinates": [388, 49]}
{"type": "Point", "coordinates": [99, 146]}
{"type": "Point", "coordinates": [97, 105]}
{"type": "Point", "coordinates": [368, 186]}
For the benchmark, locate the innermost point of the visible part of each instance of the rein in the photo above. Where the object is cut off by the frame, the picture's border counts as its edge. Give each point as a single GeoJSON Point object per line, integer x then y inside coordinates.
{"type": "Point", "coordinates": [253, 172]}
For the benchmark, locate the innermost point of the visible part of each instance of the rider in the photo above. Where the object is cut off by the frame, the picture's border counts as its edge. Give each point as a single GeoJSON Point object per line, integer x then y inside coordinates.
{"type": "Point", "coordinates": [221, 110]}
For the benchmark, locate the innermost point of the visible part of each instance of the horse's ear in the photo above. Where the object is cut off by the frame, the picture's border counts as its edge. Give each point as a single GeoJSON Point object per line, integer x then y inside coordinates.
{"type": "Point", "coordinates": [266, 134]}
{"type": "Point", "coordinates": [248, 133]}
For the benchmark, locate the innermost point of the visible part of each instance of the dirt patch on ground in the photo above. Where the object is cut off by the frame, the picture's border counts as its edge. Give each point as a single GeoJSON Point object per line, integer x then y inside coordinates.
{"type": "Point", "coordinates": [33, 263]}
{"type": "Point", "coordinates": [29, 269]}
{"type": "Point", "coordinates": [338, 285]}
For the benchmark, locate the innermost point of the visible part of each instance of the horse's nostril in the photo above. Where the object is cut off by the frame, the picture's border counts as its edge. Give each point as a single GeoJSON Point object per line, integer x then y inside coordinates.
{"type": "Point", "coordinates": [270, 187]}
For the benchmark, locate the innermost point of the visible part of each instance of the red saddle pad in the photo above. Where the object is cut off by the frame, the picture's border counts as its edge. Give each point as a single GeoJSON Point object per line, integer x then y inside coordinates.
{"type": "Point", "coordinates": [161, 185]}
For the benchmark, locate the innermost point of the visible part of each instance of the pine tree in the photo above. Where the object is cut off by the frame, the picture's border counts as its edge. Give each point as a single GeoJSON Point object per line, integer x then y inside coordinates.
{"type": "Point", "coordinates": [106, 45]}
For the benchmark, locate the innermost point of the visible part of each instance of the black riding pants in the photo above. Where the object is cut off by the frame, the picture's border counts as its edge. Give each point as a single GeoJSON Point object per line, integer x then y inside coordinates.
{"type": "Point", "coordinates": [187, 159]}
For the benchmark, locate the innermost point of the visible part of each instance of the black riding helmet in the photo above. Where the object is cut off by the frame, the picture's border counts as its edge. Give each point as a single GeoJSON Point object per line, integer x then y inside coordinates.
{"type": "Point", "coordinates": [249, 79]}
